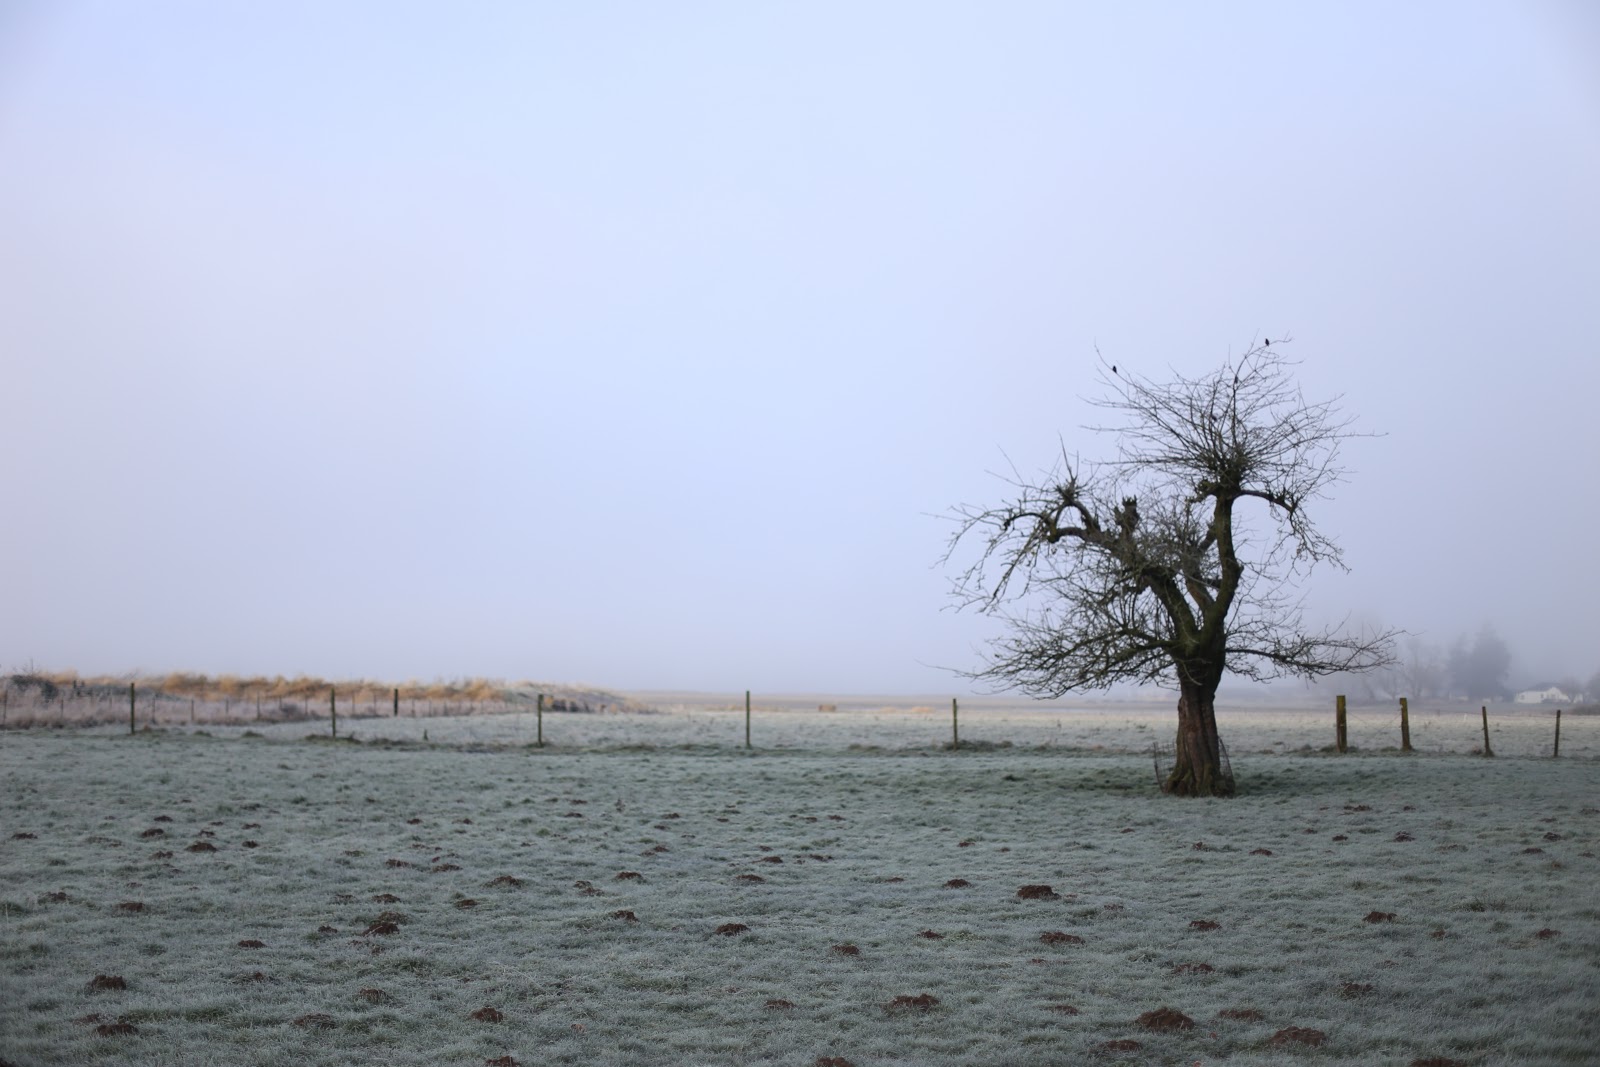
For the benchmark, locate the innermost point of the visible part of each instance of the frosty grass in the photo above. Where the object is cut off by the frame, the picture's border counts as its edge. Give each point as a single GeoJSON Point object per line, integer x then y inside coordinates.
{"type": "Point", "coordinates": [503, 870]}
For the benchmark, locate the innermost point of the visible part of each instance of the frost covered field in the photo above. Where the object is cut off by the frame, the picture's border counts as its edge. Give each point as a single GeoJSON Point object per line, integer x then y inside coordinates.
{"type": "Point", "coordinates": [276, 900]}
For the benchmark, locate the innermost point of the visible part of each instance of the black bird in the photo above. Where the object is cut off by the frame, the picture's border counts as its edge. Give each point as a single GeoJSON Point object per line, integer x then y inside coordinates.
{"type": "Point", "coordinates": [1266, 342]}
{"type": "Point", "coordinates": [1113, 368]}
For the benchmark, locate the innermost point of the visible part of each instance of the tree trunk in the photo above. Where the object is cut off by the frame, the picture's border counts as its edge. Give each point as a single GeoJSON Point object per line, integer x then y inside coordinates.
{"type": "Point", "coordinates": [1197, 769]}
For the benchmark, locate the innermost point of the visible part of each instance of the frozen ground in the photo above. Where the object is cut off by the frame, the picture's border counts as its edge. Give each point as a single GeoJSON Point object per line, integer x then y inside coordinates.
{"type": "Point", "coordinates": [503, 869]}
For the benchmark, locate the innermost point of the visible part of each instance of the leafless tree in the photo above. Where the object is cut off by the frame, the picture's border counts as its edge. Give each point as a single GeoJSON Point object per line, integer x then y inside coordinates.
{"type": "Point", "coordinates": [1176, 561]}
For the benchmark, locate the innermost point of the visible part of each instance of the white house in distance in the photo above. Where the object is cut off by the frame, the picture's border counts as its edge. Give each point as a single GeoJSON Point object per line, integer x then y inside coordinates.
{"type": "Point", "coordinates": [1548, 695]}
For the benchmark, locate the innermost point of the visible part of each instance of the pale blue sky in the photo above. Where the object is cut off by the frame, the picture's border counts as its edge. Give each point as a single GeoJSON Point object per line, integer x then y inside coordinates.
{"type": "Point", "coordinates": [637, 344]}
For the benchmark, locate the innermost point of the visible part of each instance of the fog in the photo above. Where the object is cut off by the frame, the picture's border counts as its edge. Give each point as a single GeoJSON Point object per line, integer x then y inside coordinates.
{"type": "Point", "coordinates": [645, 345]}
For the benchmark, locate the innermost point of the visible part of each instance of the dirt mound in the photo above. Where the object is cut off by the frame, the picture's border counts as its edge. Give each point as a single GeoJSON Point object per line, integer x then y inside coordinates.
{"type": "Point", "coordinates": [374, 996]}
{"type": "Point", "coordinates": [326, 929]}
{"type": "Point", "coordinates": [930, 935]}
{"type": "Point", "coordinates": [154, 831]}
{"type": "Point", "coordinates": [1037, 892]}
{"type": "Point", "coordinates": [117, 1029]}
{"type": "Point", "coordinates": [1379, 917]}
{"type": "Point", "coordinates": [1244, 1015]}
{"type": "Point", "coordinates": [502, 1061]}
{"type": "Point", "coordinates": [385, 898]}
{"type": "Point", "coordinates": [1060, 937]}
{"type": "Point", "coordinates": [957, 883]}
{"type": "Point", "coordinates": [629, 876]}
{"type": "Point", "coordinates": [831, 1061]}
{"type": "Point", "coordinates": [1261, 852]}
{"type": "Point", "coordinates": [905, 1003]}
{"type": "Point", "coordinates": [1352, 990]}
{"type": "Point", "coordinates": [398, 863]}
{"type": "Point", "coordinates": [443, 868]}
{"type": "Point", "coordinates": [466, 902]}
{"type": "Point", "coordinates": [131, 905]}
{"type": "Point", "coordinates": [1298, 1035]}
{"type": "Point", "coordinates": [1546, 934]}
{"type": "Point", "coordinates": [779, 1004]}
{"type": "Point", "coordinates": [750, 879]}
{"type": "Point", "coordinates": [201, 846]}
{"type": "Point", "coordinates": [1166, 1019]}
{"type": "Point", "coordinates": [1437, 1061]}
{"type": "Point", "coordinates": [381, 929]}
{"type": "Point", "coordinates": [507, 880]}
{"type": "Point", "coordinates": [101, 982]}
{"type": "Point", "coordinates": [625, 915]}
{"type": "Point", "coordinates": [251, 942]}
{"type": "Point", "coordinates": [1192, 968]}
{"type": "Point", "coordinates": [845, 950]}
{"type": "Point", "coordinates": [488, 1015]}
{"type": "Point", "coordinates": [1204, 924]}
{"type": "Point", "coordinates": [731, 929]}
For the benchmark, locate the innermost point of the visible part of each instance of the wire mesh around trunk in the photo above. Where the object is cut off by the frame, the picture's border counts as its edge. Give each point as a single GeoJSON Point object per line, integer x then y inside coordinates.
{"type": "Point", "coordinates": [1163, 755]}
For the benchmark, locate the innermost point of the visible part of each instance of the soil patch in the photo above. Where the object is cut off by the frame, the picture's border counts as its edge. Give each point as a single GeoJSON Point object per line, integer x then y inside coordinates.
{"type": "Point", "coordinates": [731, 929]}
{"type": "Point", "coordinates": [488, 1015]}
{"type": "Point", "coordinates": [906, 1003]}
{"type": "Point", "coordinates": [1060, 937]}
{"type": "Point", "coordinates": [1037, 892]}
{"type": "Point", "coordinates": [102, 982]}
{"type": "Point", "coordinates": [1166, 1019]}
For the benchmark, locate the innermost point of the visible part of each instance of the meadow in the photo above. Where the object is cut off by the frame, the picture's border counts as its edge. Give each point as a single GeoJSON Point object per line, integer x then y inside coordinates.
{"type": "Point", "coordinates": [643, 890]}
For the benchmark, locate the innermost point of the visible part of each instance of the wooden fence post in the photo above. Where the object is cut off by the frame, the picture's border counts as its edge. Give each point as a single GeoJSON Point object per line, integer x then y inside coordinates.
{"type": "Point", "coordinates": [397, 703]}
{"type": "Point", "coordinates": [1487, 751]}
{"type": "Point", "coordinates": [955, 728]}
{"type": "Point", "coordinates": [747, 718]}
{"type": "Point", "coordinates": [540, 713]}
{"type": "Point", "coordinates": [1557, 752]}
{"type": "Point", "coordinates": [333, 711]}
{"type": "Point", "coordinates": [1405, 725]}
{"type": "Point", "coordinates": [1340, 736]}
{"type": "Point", "coordinates": [130, 709]}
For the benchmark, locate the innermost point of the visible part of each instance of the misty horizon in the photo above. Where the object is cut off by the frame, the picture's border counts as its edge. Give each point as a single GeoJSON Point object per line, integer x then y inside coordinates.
{"type": "Point", "coordinates": [651, 349]}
